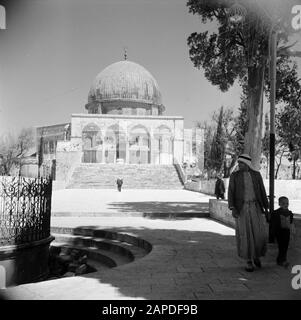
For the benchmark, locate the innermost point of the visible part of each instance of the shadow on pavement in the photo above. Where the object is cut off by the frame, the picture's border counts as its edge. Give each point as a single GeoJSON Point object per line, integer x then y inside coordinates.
{"type": "Point", "coordinates": [188, 209]}
{"type": "Point", "coordinates": [186, 265]}
{"type": "Point", "coordinates": [198, 265]}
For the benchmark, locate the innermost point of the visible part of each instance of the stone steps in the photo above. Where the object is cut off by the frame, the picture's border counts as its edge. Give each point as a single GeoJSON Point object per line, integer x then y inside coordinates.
{"type": "Point", "coordinates": [134, 176]}
{"type": "Point", "coordinates": [102, 257]}
{"type": "Point", "coordinates": [104, 248]}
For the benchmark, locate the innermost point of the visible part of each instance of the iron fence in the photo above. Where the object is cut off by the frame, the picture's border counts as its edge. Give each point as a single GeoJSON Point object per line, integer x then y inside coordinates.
{"type": "Point", "coordinates": [25, 208]}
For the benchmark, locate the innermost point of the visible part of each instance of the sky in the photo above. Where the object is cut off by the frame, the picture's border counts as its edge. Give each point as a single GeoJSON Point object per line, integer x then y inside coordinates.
{"type": "Point", "coordinates": [52, 50]}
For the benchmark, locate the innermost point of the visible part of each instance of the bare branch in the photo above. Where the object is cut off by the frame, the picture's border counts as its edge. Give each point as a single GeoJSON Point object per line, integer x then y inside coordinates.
{"type": "Point", "coordinates": [287, 47]}
{"type": "Point", "coordinates": [241, 39]}
{"type": "Point", "coordinates": [290, 53]}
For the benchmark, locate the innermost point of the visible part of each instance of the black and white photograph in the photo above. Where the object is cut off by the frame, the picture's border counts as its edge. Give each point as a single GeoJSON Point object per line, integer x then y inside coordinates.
{"type": "Point", "coordinates": [150, 150]}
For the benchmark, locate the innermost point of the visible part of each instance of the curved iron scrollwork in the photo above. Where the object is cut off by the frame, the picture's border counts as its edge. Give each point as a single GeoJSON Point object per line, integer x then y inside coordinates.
{"type": "Point", "coordinates": [25, 209]}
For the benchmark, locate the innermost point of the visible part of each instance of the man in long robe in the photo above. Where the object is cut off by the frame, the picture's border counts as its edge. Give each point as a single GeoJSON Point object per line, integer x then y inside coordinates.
{"type": "Point", "coordinates": [248, 201]}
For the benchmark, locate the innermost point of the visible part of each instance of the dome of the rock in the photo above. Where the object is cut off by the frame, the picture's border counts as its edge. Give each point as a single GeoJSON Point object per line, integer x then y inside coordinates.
{"type": "Point", "coordinates": [122, 87]}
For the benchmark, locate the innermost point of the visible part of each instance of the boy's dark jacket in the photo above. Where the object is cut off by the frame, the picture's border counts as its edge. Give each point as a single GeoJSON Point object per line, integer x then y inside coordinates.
{"type": "Point", "coordinates": [236, 190]}
{"type": "Point", "coordinates": [276, 221]}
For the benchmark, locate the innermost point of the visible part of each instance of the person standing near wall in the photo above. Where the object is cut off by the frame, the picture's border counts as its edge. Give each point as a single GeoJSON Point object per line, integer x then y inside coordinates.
{"type": "Point", "coordinates": [248, 201]}
{"type": "Point", "coordinates": [219, 188]}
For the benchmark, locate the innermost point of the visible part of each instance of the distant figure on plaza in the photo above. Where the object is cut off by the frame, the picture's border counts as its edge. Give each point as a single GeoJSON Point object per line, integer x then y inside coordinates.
{"type": "Point", "coordinates": [119, 184]}
{"type": "Point", "coordinates": [281, 224]}
{"type": "Point", "coordinates": [219, 188]}
{"type": "Point", "coordinates": [248, 201]}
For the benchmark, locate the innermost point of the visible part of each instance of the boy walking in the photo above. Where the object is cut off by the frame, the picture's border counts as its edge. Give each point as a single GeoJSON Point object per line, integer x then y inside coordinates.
{"type": "Point", "coordinates": [281, 221]}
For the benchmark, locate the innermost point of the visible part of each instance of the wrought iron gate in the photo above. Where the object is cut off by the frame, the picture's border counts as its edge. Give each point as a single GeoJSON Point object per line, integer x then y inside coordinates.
{"type": "Point", "coordinates": [25, 208]}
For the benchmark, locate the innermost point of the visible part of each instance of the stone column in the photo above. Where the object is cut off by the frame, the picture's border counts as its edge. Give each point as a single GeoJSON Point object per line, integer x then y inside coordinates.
{"type": "Point", "coordinates": [172, 149]}
{"type": "Point", "coordinates": [152, 149]}
{"type": "Point", "coordinates": [103, 152]}
{"type": "Point", "coordinates": [127, 150]}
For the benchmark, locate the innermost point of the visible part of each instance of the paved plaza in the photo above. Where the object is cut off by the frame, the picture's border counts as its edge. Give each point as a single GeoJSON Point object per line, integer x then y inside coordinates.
{"type": "Point", "coordinates": [106, 202]}
{"type": "Point", "coordinates": [192, 258]}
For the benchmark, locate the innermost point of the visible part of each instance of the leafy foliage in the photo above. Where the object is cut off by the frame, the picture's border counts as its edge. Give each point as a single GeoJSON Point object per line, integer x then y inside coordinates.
{"type": "Point", "coordinates": [217, 151]}
{"type": "Point", "coordinates": [240, 53]}
{"type": "Point", "coordinates": [220, 142]}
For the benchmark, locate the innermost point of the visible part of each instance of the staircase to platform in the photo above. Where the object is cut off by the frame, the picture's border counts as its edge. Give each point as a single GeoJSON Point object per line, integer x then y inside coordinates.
{"type": "Point", "coordinates": [135, 176]}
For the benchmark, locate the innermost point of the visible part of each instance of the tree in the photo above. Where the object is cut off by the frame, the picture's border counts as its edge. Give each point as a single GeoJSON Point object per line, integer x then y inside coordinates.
{"type": "Point", "coordinates": [13, 148]}
{"type": "Point", "coordinates": [266, 140]}
{"type": "Point", "coordinates": [240, 124]}
{"type": "Point", "coordinates": [288, 114]}
{"type": "Point", "coordinates": [238, 53]}
{"type": "Point", "coordinates": [289, 128]}
{"type": "Point", "coordinates": [208, 139]}
{"type": "Point", "coordinates": [281, 151]}
{"type": "Point", "coordinates": [217, 152]}
{"type": "Point", "coordinates": [279, 147]}
{"type": "Point", "coordinates": [227, 137]}
{"type": "Point", "coordinates": [220, 137]}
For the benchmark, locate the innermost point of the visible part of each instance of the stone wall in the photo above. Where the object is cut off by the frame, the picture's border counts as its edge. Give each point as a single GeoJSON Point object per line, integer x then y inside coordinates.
{"type": "Point", "coordinates": [68, 156]}
{"type": "Point", "coordinates": [288, 188]}
{"type": "Point", "coordinates": [218, 210]}
{"type": "Point", "coordinates": [24, 263]}
{"type": "Point", "coordinates": [58, 185]}
{"type": "Point", "coordinates": [204, 186]}
{"type": "Point", "coordinates": [29, 170]}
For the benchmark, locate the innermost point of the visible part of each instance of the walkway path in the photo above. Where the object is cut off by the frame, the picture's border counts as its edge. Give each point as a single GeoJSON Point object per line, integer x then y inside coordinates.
{"type": "Point", "coordinates": [105, 202]}
{"type": "Point", "coordinates": [192, 258]}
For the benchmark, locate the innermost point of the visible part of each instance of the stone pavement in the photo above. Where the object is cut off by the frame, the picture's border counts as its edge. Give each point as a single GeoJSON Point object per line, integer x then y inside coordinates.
{"type": "Point", "coordinates": [106, 202]}
{"type": "Point", "coordinates": [192, 258]}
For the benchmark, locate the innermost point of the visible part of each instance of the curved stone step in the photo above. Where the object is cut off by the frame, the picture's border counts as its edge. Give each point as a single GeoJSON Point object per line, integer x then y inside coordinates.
{"type": "Point", "coordinates": [96, 232]}
{"type": "Point", "coordinates": [124, 249]}
{"type": "Point", "coordinates": [109, 248]}
{"type": "Point", "coordinates": [113, 235]}
{"type": "Point", "coordinates": [107, 258]}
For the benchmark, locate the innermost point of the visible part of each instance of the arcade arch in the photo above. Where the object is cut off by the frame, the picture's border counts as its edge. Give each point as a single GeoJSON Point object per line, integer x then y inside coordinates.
{"type": "Point", "coordinates": [92, 144]}
{"type": "Point", "coordinates": [139, 145]}
{"type": "Point", "coordinates": [115, 145]}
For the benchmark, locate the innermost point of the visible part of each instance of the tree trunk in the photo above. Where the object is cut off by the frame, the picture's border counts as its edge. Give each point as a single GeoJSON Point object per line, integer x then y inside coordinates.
{"type": "Point", "coordinates": [294, 168]}
{"type": "Point", "coordinates": [278, 165]}
{"type": "Point", "coordinates": [253, 134]}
